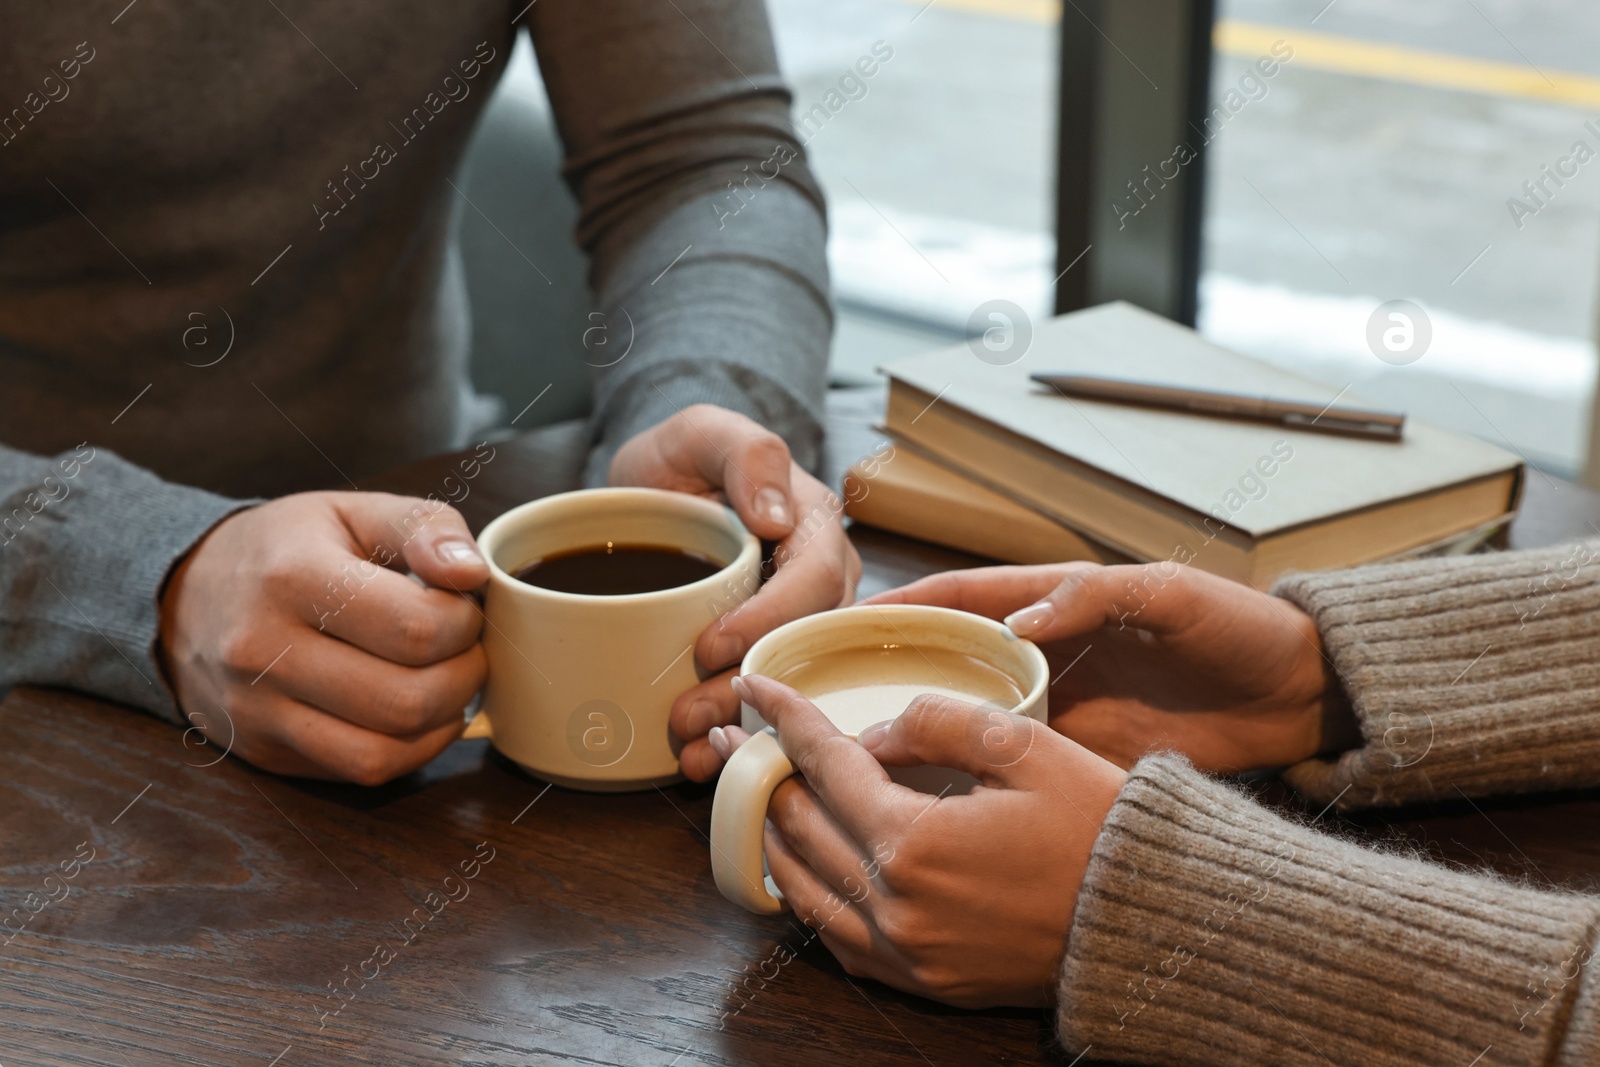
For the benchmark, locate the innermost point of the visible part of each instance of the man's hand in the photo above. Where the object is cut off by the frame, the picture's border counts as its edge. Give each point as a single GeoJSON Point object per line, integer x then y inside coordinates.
{"type": "Point", "coordinates": [292, 622]}
{"type": "Point", "coordinates": [712, 452]}
{"type": "Point", "coordinates": [1165, 657]}
{"type": "Point", "coordinates": [965, 899]}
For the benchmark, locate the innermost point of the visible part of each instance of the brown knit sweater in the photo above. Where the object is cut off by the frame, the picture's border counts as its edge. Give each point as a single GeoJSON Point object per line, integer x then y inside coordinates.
{"type": "Point", "coordinates": [1212, 931]}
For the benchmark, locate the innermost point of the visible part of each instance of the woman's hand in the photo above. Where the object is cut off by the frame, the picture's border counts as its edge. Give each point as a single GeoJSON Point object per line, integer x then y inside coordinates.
{"type": "Point", "coordinates": [1163, 657]}
{"type": "Point", "coordinates": [712, 452]}
{"type": "Point", "coordinates": [965, 899]}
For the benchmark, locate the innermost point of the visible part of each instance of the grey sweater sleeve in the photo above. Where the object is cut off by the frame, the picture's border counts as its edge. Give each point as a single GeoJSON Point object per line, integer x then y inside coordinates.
{"type": "Point", "coordinates": [705, 228]}
{"type": "Point", "coordinates": [86, 542]}
{"type": "Point", "coordinates": [1471, 675]}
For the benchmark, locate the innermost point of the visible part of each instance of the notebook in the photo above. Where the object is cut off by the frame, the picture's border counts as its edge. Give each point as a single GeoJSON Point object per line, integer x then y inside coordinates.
{"type": "Point", "coordinates": [1244, 499]}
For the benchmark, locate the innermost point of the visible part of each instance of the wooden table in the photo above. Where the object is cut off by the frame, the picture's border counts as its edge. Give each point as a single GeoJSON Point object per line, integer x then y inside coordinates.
{"type": "Point", "coordinates": [221, 905]}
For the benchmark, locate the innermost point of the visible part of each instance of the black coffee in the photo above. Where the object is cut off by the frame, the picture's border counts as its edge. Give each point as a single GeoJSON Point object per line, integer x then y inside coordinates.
{"type": "Point", "coordinates": [617, 570]}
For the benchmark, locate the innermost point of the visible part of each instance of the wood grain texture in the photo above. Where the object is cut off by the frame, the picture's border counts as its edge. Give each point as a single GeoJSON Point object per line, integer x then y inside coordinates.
{"type": "Point", "coordinates": [220, 902]}
{"type": "Point", "coordinates": [220, 905]}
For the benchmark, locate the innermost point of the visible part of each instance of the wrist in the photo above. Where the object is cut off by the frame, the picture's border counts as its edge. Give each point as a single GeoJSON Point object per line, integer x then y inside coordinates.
{"type": "Point", "coordinates": [1329, 725]}
{"type": "Point", "coordinates": [1340, 728]}
{"type": "Point", "coordinates": [169, 598]}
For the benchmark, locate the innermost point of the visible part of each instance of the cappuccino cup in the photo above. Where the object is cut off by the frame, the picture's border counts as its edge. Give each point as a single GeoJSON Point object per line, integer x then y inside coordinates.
{"type": "Point", "coordinates": [581, 683]}
{"type": "Point", "coordinates": [859, 666]}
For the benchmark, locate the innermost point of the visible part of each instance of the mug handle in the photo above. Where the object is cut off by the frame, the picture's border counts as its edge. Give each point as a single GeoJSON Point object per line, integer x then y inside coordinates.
{"type": "Point", "coordinates": [479, 726]}
{"type": "Point", "coordinates": [738, 816]}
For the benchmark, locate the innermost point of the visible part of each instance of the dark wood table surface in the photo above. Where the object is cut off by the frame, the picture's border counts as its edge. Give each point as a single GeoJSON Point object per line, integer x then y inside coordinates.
{"type": "Point", "coordinates": [221, 904]}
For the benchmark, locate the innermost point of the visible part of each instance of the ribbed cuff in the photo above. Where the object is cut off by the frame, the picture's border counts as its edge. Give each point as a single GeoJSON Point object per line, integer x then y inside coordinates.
{"type": "Point", "coordinates": [1211, 931]}
{"type": "Point", "coordinates": [1479, 674]}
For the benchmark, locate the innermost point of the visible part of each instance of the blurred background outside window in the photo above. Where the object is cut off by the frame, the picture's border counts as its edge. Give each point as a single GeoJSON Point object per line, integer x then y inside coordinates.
{"type": "Point", "coordinates": [940, 174]}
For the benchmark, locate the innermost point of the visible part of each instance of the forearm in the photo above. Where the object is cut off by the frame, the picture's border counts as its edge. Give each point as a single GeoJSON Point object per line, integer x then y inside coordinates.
{"type": "Point", "coordinates": [703, 224]}
{"type": "Point", "coordinates": [1210, 931]}
{"type": "Point", "coordinates": [86, 541]}
{"type": "Point", "coordinates": [741, 320]}
{"type": "Point", "coordinates": [1479, 674]}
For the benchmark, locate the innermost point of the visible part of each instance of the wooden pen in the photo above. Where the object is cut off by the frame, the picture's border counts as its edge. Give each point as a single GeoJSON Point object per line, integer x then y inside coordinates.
{"type": "Point", "coordinates": [1295, 414]}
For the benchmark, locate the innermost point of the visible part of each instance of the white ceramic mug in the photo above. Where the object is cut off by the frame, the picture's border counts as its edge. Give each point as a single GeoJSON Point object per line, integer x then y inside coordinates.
{"type": "Point", "coordinates": [581, 686]}
{"type": "Point", "coordinates": [738, 811]}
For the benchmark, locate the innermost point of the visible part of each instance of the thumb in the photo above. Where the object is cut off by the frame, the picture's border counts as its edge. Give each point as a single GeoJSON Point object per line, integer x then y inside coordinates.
{"type": "Point", "coordinates": [989, 744]}
{"type": "Point", "coordinates": [429, 537]}
{"type": "Point", "coordinates": [749, 463]}
{"type": "Point", "coordinates": [1159, 597]}
{"type": "Point", "coordinates": [755, 474]}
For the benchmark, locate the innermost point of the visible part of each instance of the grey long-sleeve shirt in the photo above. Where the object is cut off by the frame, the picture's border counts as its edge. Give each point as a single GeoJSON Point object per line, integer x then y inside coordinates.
{"type": "Point", "coordinates": [188, 166]}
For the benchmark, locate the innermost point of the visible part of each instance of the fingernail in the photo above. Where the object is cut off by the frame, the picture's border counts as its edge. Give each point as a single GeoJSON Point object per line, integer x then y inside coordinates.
{"type": "Point", "coordinates": [719, 742]}
{"type": "Point", "coordinates": [459, 552]}
{"type": "Point", "coordinates": [741, 689]}
{"type": "Point", "coordinates": [1031, 619]}
{"type": "Point", "coordinates": [772, 505]}
{"type": "Point", "coordinates": [726, 649]}
{"type": "Point", "coordinates": [702, 713]}
{"type": "Point", "coordinates": [873, 736]}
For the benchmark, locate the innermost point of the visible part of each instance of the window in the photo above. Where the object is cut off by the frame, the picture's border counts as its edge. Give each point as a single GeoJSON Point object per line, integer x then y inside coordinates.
{"type": "Point", "coordinates": [1440, 153]}
{"type": "Point", "coordinates": [938, 166]}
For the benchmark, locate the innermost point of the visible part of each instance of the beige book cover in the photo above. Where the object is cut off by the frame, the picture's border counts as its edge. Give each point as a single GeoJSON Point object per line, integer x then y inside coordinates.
{"type": "Point", "coordinates": [1245, 499]}
{"type": "Point", "coordinates": [1199, 462]}
{"type": "Point", "coordinates": [907, 493]}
